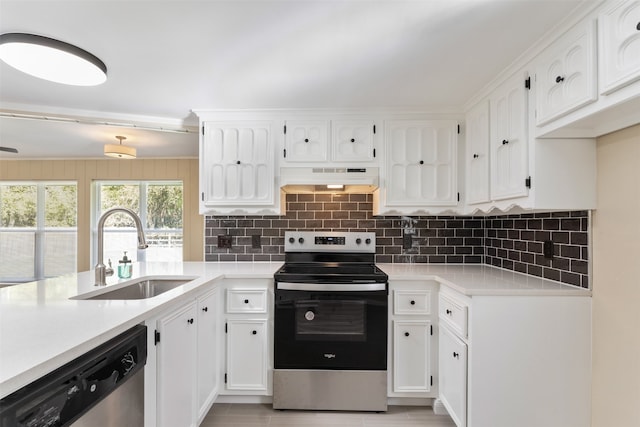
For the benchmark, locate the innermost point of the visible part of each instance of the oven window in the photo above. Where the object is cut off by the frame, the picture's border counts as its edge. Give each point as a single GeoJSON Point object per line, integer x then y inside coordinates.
{"type": "Point", "coordinates": [330, 320]}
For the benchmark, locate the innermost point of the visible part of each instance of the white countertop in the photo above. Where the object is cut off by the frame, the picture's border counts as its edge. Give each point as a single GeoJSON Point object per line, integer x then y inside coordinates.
{"type": "Point", "coordinates": [41, 329]}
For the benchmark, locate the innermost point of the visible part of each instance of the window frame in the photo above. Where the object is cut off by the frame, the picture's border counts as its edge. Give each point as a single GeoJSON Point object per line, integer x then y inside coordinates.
{"type": "Point", "coordinates": [96, 211]}
{"type": "Point", "coordinates": [41, 229]}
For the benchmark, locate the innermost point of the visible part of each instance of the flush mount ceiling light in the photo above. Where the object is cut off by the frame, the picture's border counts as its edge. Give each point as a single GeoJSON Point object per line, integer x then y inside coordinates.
{"type": "Point", "coordinates": [120, 151]}
{"type": "Point", "coordinates": [51, 59]}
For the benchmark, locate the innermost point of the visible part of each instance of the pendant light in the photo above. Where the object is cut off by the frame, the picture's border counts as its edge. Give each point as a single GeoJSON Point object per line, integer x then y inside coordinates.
{"type": "Point", "coordinates": [51, 59]}
{"type": "Point", "coordinates": [120, 151]}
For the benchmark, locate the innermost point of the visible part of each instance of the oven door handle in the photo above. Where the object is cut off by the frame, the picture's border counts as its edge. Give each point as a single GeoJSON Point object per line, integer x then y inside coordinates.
{"type": "Point", "coordinates": [333, 287]}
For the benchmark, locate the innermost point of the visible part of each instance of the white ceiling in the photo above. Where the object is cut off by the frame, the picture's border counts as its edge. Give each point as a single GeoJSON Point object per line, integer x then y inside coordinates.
{"type": "Point", "coordinates": [165, 58]}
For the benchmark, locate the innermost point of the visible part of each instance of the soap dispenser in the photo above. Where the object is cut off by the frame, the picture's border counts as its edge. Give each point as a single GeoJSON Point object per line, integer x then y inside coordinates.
{"type": "Point", "coordinates": [124, 267]}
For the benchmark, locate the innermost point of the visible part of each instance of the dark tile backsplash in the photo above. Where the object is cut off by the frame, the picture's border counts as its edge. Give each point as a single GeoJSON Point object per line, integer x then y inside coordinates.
{"type": "Point", "coordinates": [513, 242]}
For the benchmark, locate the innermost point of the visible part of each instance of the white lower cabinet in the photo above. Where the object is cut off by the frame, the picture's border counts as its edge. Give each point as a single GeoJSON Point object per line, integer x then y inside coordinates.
{"type": "Point", "coordinates": [412, 356]}
{"type": "Point", "coordinates": [207, 352]}
{"type": "Point", "coordinates": [176, 370]}
{"type": "Point", "coordinates": [524, 360]}
{"type": "Point", "coordinates": [453, 375]}
{"type": "Point", "coordinates": [247, 354]}
{"type": "Point", "coordinates": [248, 331]}
{"type": "Point", "coordinates": [412, 347]}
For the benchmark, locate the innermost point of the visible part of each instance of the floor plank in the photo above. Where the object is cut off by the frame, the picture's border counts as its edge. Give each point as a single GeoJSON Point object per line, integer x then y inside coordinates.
{"type": "Point", "coordinates": [247, 415]}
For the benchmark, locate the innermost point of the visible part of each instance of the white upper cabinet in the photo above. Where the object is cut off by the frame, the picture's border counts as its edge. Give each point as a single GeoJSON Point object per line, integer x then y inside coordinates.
{"type": "Point", "coordinates": [619, 45]}
{"type": "Point", "coordinates": [420, 163]}
{"type": "Point", "coordinates": [477, 154]}
{"type": "Point", "coordinates": [236, 164]}
{"type": "Point", "coordinates": [566, 74]}
{"type": "Point", "coordinates": [509, 148]}
{"type": "Point", "coordinates": [352, 141]}
{"type": "Point", "coordinates": [306, 141]}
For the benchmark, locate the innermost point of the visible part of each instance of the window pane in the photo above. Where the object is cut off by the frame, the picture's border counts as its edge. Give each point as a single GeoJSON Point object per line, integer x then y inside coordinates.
{"type": "Point", "coordinates": [120, 196]}
{"type": "Point", "coordinates": [18, 205]}
{"type": "Point", "coordinates": [60, 206]}
{"type": "Point", "coordinates": [164, 246]}
{"type": "Point", "coordinates": [164, 206]}
{"type": "Point", "coordinates": [116, 242]}
{"type": "Point", "coordinates": [18, 255]}
{"type": "Point", "coordinates": [59, 253]}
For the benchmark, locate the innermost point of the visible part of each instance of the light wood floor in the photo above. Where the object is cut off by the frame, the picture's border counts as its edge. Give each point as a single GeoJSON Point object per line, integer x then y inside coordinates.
{"type": "Point", "coordinates": [243, 415]}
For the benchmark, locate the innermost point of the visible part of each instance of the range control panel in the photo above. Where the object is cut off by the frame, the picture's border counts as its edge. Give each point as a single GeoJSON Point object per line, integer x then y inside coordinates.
{"type": "Point", "coordinates": [319, 241]}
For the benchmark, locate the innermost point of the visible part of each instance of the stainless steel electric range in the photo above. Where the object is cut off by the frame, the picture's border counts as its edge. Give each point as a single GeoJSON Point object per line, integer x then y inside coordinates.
{"type": "Point", "coordinates": [330, 326]}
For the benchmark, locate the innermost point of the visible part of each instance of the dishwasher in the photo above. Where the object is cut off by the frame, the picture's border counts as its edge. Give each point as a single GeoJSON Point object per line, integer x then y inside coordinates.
{"type": "Point", "coordinates": [102, 388]}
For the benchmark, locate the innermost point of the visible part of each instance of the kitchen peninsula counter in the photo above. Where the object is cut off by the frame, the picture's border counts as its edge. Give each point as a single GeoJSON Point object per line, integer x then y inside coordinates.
{"type": "Point", "coordinates": [41, 328]}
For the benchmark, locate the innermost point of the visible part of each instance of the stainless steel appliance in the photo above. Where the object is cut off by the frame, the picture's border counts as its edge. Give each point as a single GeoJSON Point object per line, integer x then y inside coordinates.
{"type": "Point", "coordinates": [104, 387]}
{"type": "Point", "coordinates": [330, 325]}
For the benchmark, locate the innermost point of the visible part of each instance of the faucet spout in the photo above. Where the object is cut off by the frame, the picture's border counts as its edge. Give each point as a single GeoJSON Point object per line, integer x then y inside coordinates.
{"type": "Point", "coordinates": [101, 270]}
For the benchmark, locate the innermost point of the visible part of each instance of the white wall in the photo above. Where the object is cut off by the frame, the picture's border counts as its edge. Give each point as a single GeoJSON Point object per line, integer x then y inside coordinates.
{"type": "Point", "coordinates": [616, 282]}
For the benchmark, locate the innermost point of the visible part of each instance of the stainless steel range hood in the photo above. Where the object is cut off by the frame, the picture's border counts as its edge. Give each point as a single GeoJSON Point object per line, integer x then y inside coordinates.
{"type": "Point", "coordinates": [313, 180]}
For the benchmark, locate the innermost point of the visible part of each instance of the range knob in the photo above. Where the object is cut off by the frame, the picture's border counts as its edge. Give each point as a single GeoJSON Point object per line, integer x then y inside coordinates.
{"type": "Point", "coordinates": [358, 240]}
{"type": "Point", "coordinates": [291, 240]}
{"type": "Point", "coordinates": [368, 241]}
{"type": "Point", "coordinates": [301, 240]}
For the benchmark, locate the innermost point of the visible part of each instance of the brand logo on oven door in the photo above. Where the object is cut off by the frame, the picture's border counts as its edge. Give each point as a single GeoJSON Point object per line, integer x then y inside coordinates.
{"type": "Point", "coordinates": [330, 355]}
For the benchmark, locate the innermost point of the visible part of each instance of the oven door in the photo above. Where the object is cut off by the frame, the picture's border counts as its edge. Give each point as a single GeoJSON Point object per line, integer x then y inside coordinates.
{"type": "Point", "coordinates": [325, 326]}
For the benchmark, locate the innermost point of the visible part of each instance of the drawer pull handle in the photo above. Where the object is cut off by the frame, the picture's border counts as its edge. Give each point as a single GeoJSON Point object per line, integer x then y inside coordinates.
{"type": "Point", "coordinates": [505, 142]}
{"type": "Point", "coordinates": [246, 301]}
{"type": "Point", "coordinates": [449, 312]}
{"type": "Point", "coordinates": [205, 309]}
{"type": "Point", "coordinates": [475, 156]}
{"type": "Point", "coordinates": [190, 321]}
{"type": "Point", "coordinates": [254, 332]}
{"type": "Point", "coordinates": [406, 334]}
{"type": "Point", "coordinates": [559, 79]}
{"type": "Point", "coordinates": [413, 302]}
{"type": "Point", "coordinates": [456, 355]}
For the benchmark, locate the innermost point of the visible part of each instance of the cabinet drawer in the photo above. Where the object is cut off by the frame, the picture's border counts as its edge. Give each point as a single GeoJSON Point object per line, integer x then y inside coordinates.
{"type": "Point", "coordinates": [246, 301]}
{"type": "Point", "coordinates": [411, 302]}
{"type": "Point", "coordinates": [454, 314]}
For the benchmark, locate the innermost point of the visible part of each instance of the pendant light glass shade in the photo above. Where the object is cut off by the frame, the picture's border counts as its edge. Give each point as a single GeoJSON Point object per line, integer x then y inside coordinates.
{"type": "Point", "coordinates": [120, 151]}
{"type": "Point", "coordinates": [51, 59]}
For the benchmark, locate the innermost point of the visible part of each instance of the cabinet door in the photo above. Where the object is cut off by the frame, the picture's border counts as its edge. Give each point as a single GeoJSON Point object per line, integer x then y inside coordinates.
{"type": "Point", "coordinates": [176, 368]}
{"type": "Point", "coordinates": [509, 148]}
{"type": "Point", "coordinates": [247, 354]}
{"type": "Point", "coordinates": [619, 46]}
{"type": "Point", "coordinates": [411, 356]}
{"type": "Point", "coordinates": [352, 141]}
{"type": "Point", "coordinates": [477, 154]}
{"type": "Point", "coordinates": [307, 141]}
{"type": "Point", "coordinates": [237, 164]}
{"type": "Point", "coordinates": [566, 74]}
{"type": "Point", "coordinates": [207, 351]}
{"type": "Point", "coordinates": [421, 163]}
{"type": "Point", "coordinates": [453, 375]}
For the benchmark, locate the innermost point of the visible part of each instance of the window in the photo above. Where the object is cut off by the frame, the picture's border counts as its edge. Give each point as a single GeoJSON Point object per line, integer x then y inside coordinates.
{"type": "Point", "coordinates": [159, 205]}
{"type": "Point", "coordinates": [38, 230]}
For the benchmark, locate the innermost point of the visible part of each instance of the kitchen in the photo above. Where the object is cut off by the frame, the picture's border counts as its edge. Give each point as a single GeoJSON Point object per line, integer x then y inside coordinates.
{"type": "Point", "coordinates": [614, 374]}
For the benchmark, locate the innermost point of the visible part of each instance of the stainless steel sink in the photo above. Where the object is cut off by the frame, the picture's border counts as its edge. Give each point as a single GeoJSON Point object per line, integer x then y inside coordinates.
{"type": "Point", "coordinates": [142, 289]}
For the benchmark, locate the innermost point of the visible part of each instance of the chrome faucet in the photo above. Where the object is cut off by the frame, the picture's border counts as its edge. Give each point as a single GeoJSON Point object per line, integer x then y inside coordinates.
{"type": "Point", "coordinates": [101, 269]}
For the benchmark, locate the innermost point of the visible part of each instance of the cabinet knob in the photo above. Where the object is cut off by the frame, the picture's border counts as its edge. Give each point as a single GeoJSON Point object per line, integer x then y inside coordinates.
{"type": "Point", "coordinates": [406, 334]}
{"type": "Point", "coordinates": [504, 142]}
{"type": "Point", "coordinates": [448, 311]}
{"type": "Point", "coordinates": [559, 79]}
{"type": "Point", "coordinates": [190, 321]}
{"type": "Point", "coordinates": [456, 355]}
{"type": "Point", "coordinates": [475, 156]}
{"type": "Point", "coordinates": [205, 309]}
{"type": "Point", "coordinates": [353, 140]}
{"type": "Point", "coordinates": [254, 332]}
{"type": "Point", "coordinates": [413, 302]}
{"type": "Point", "coordinates": [638, 26]}
{"type": "Point", "coordinates": [238, 162]}
{"type": "Point", "coordinates": [306, 140]}
{"type": "Point", "coordinates": [422, 162]}
{"type": "Point", "coordinates": [246, 301]}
